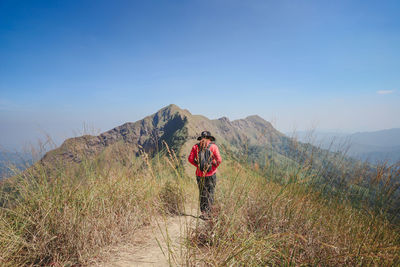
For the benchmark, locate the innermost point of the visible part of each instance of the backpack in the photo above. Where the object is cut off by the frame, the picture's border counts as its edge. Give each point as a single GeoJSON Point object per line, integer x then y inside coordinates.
{"type": "Point", "coordinates": [205, 158]}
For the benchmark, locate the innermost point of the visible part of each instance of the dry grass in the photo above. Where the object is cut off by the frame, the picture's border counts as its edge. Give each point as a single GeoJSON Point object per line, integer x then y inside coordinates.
{"type": "Point", "coordinates": [273, 216]}
{"type": "Point", "coordinates": [260, 223]}
{"type": "Point", "coordinates": [172, 199]}
{"type": "Point", "coordinates": [67, 215]}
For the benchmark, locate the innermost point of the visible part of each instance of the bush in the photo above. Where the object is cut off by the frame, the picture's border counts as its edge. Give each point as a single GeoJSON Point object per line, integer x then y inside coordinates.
{"type": "Point", "coordinates": [172, 199]}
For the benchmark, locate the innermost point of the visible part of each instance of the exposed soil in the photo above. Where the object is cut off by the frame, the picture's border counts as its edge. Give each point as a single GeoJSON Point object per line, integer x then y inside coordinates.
{"type": "Point", "coordinates": [159, 244]}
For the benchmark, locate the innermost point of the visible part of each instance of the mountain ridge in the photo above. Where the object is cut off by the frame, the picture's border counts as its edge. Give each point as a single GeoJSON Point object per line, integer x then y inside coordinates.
{"type": "Point", "coordinates": [175, 126]}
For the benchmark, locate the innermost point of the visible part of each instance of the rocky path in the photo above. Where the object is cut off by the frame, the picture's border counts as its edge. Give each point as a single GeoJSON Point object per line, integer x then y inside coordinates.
{"type": "Point", "coordinates": [159, 244]}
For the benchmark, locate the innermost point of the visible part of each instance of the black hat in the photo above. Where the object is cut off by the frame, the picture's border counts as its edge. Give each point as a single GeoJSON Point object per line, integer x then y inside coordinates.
{"type": "Point", "coordinates": [206, 134]}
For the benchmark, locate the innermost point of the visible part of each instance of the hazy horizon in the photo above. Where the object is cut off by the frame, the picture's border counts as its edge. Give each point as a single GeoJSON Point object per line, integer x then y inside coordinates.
{"type": "Point", "coordinates": [301, 65]}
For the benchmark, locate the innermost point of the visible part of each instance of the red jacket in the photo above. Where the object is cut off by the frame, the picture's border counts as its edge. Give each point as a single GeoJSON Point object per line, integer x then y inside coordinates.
{"type": "Point", "coordinates": [193, 157]}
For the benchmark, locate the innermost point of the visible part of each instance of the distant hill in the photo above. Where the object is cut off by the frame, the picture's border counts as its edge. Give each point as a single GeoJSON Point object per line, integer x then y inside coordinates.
{"type": "Point", "coordinates": [383, 145]}
{"type": "Point", "coordinates": [11, 160]}
{"type": "Point", "coordinates": [174, 126]}
{"type": "Point", "coordinates": [384, 138]}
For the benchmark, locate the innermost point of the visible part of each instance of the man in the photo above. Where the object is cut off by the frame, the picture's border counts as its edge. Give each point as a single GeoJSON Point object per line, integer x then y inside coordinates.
{"type": "Point", "coordinates": [205, 156]}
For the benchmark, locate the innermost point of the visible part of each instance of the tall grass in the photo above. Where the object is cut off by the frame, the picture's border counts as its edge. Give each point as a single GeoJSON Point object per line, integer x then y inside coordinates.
{"type": "Point", "coordinates": [64, 216]}
{"type": "Point", "coordinates": [258, 222]}
{"type": "Point", "coordinates": [317, 208]}
{"type": "Point", "coordinates": [336, 175]}
{"type": "Point", "coordinates": [309, 210]}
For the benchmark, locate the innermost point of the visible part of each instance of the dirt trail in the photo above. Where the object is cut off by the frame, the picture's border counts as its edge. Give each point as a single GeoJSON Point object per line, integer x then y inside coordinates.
{"type": "Point", "coordinates": [159, 244]}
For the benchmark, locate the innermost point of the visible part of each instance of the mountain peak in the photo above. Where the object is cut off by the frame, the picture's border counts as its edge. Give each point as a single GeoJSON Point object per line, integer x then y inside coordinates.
{"type": "Point", "coordinates": [225, 119]}
{"type": "Point", "coordinates": [172, 107]}
{"type": "Point", "coordinates": [255, 118]}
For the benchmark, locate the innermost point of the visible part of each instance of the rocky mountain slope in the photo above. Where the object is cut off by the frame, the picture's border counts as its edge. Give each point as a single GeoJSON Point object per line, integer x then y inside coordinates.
{"type": "Point", "coordinates": [175, 126]}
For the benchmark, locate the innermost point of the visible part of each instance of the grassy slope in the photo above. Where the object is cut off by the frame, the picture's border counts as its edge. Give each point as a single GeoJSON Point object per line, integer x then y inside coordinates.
{"type": "Point", "coordinates": [258, 222]}
{"type": "Point", "coordinates": [269, 216]}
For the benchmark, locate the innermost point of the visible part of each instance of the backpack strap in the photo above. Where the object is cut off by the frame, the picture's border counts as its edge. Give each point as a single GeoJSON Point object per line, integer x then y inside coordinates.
{"type": "Point", "coordinates": [208, 147]}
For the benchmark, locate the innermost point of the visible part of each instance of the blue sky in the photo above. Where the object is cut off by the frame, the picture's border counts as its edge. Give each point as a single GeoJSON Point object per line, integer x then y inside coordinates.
{"type": "Point", "coordinates": [334, 65]}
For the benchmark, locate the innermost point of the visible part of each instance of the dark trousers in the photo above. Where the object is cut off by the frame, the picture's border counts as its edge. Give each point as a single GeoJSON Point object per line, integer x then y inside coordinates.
{"type": "Point", "coordinates": [206, 191]}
